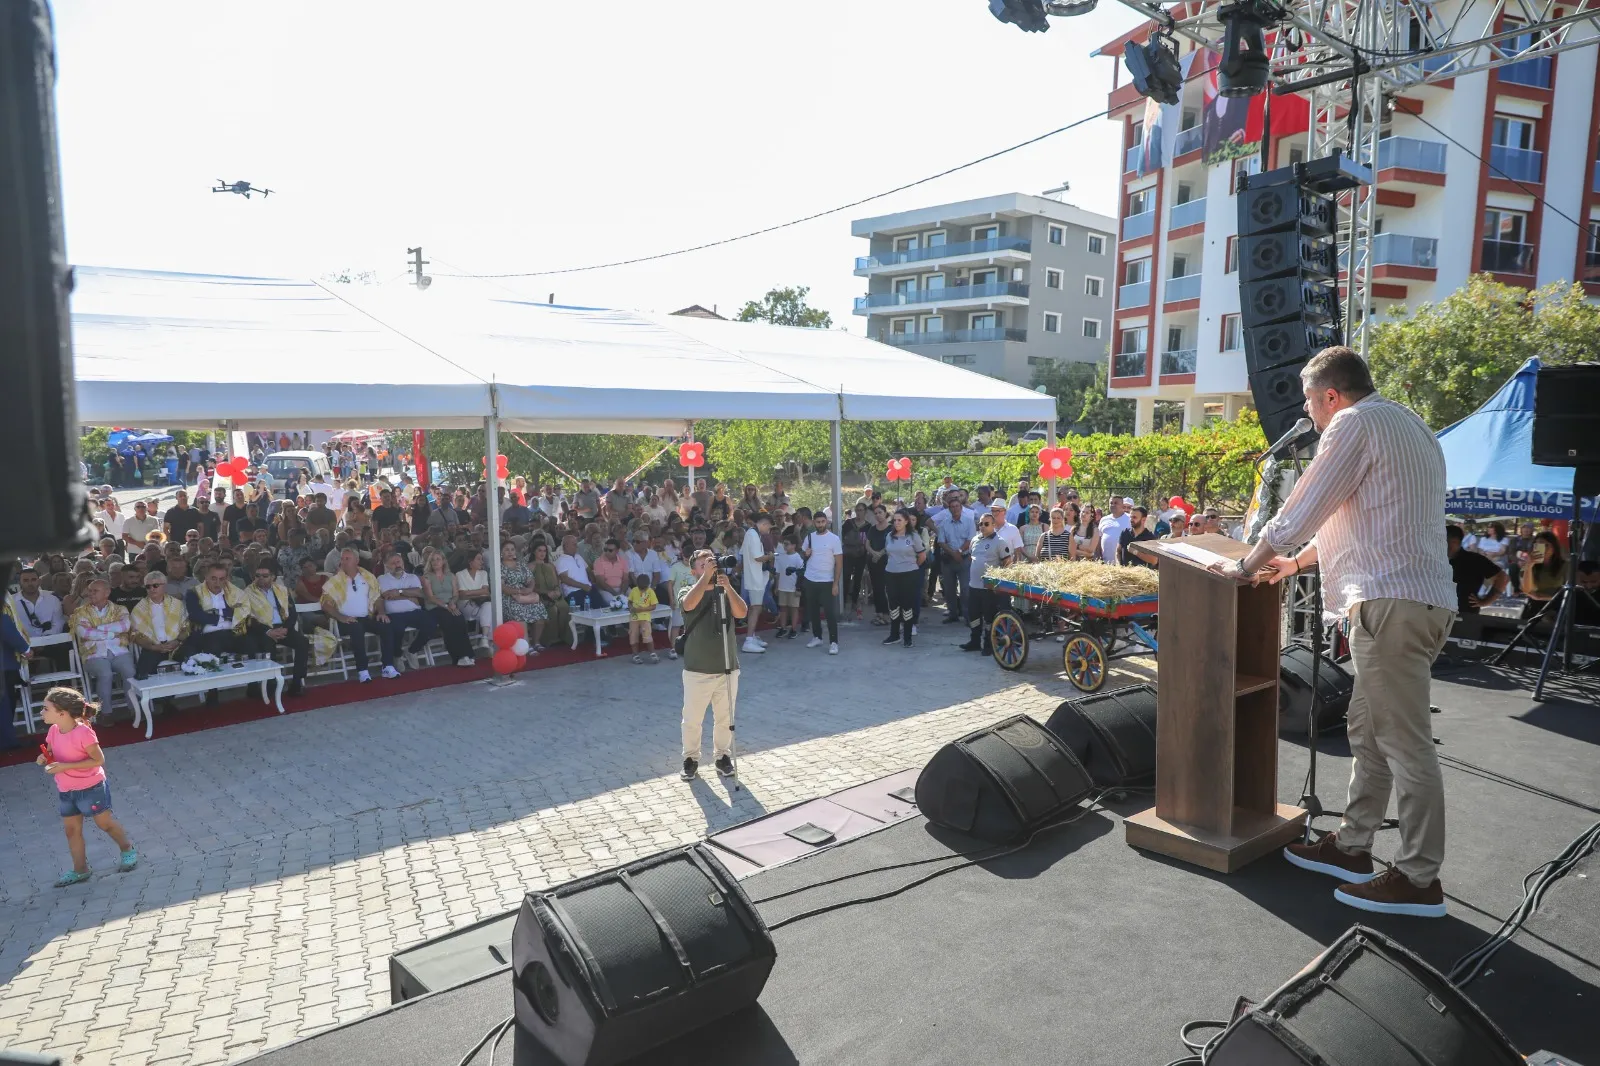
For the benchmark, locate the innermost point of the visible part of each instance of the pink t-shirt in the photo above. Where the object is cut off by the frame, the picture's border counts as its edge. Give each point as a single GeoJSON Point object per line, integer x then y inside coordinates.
{"type": "Point", "coordinates": [613, 571]}
{"type": "Point", "coordinates": [73, 746]}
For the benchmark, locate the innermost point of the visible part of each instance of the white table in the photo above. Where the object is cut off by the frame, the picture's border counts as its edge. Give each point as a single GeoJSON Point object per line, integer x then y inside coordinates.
{"type": "Point", "coordinates": [614, 616]}
{"type": "Point", "coordinates": [177, 683]}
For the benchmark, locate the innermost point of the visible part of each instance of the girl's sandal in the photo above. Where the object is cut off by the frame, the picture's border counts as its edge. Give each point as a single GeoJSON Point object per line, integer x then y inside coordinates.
{"type": "Point", "coordinates": [71, 877]}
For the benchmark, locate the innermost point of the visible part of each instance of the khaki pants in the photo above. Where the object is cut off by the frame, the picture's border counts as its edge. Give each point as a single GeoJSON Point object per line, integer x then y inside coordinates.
{"type": "Point", "coordinates": [719, 690]}
{"type": "Point", "coordinates": [1393, 644]}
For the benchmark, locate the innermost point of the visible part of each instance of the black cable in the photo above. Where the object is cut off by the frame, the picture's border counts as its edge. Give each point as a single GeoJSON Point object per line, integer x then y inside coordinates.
{"type": "Point", "coordinates": [795, 222]}
{"type": "Point", "coordinates": [1503, 779]}
{"type": "Point", "coordinates": [1092, 802]}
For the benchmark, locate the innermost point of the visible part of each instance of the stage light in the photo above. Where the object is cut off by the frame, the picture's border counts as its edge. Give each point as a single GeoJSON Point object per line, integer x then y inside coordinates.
{"type": "Point", "coordinates": [1026, 15]}
{"type": "Point", "coordinates": [1154, 68]}
{"type": "Point", "coordinates": [1244, 67]}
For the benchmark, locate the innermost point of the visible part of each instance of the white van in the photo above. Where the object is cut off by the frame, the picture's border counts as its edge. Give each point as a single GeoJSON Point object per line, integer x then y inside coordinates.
{"type": "Point", "coordinates": [283, 468]}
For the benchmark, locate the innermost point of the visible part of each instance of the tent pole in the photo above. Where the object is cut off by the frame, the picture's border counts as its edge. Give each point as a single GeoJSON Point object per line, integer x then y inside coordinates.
{"type": "Point", "coordinates": [491, 437]}
{"type": "Point", "coordinates": [1050, 442]}
{"type": "Point", "coordinates": [836, 466]}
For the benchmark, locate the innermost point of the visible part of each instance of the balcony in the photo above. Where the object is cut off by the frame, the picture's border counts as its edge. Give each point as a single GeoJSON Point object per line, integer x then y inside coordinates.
{"type": "Point", "coordinates": [946, 295]}
{"type": "Point", "coordinates": [1130, 158]}
{"type": "Point", "coordinates": [1140, 225]}
{"type": "Point", "coordinates": [1410, 153]}
{"type": "Point", "coordinates": [956, 336]}
{"type": "Point", "coordinates": [867, 263]}
{"type": "Point", "coordinates": [1181, 361]}
{"type": "Point", "coordinates": [1507, 257]}
{"type": "Point", "coordinates": [1534, 72]}
{"type": "Point", "coordinates": [1136, 294]}
{"type": "Point", "coordinates": [1186, 287]}
{"type": "Point", "coordinates": [1518, 164]}
{"type": "Point", "coordinates": [1129, 364]}
{"type": "Point", "coordinates": [1187, 214]}
{"type": "Point", "coordinates": [1397, 249]}
{"type": "Point", "coordinates": [1188, 141]}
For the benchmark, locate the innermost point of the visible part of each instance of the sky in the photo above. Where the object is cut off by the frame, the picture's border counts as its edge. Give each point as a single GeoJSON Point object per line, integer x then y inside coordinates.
{"type": "Point", "coordinates": [514, 137]}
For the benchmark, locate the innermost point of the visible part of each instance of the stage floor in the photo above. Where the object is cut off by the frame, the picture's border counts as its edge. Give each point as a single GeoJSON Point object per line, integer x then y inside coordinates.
{"type": "Point", "coordinates": [1080, 949]}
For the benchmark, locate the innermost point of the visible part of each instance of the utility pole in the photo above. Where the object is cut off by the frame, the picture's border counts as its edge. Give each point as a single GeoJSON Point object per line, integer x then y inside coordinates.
{"type": "Point", "coordinates": [420, 280]}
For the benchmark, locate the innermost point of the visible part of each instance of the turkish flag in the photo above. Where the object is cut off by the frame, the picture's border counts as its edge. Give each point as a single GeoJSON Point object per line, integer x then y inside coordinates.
{"type": "Point", "coordinates": [1291, 114]}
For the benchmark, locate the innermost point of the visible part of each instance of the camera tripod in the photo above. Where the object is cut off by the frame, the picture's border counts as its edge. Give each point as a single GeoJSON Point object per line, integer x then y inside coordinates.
{"type": "Point", "coordinates": [723, 635]}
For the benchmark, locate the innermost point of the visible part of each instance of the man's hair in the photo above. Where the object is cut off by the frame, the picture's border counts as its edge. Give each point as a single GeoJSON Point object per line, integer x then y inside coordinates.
{"type": "Point", "coordinates": [217, 566]}
{"type": "Point", "coordinates": [1338, 368]}
{"type": "Point", "coordinates": [611, 542]}
{"type": "Point", "coordinates": [1454, 532]}
{"type": "Point", "coordinates": [1144, 512]}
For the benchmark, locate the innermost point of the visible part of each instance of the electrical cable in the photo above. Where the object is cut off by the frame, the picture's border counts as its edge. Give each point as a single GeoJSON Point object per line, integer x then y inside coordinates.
{"type": "Point", "coordinates": [1503, 779]}
{"type": "Point", "coordinates": [494, 1033]}
{"type": "Point", "coordinates": [794, 222]}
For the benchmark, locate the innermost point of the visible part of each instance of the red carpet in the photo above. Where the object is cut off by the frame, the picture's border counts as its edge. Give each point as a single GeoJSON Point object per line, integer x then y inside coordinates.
{"type": "Point", "coordinates": [235, 708]}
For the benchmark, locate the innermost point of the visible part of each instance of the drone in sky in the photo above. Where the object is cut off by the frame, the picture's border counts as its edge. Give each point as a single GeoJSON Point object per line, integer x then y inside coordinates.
{"type": "Point", "coordinates": [243, 188]}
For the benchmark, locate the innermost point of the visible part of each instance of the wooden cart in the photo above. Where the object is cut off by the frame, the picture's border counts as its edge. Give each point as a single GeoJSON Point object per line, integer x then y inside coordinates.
{"type": "Point", "coordinates": [1096, 630]}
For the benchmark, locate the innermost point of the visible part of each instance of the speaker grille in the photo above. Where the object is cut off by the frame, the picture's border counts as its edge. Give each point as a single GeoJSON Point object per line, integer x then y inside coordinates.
{"type": "Point", "coordinates": [1114, 733]}
{"type": "Point", "coordinates": [1277, 343]}
{"type": "Point", "coordinates": [625, 942]}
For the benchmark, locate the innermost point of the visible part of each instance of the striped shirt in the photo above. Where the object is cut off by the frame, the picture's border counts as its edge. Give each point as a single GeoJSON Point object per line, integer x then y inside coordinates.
{"type": "Point", "coordinates": [1055, 545]}
{"type": "Point", "coordinates": [1374, 500]}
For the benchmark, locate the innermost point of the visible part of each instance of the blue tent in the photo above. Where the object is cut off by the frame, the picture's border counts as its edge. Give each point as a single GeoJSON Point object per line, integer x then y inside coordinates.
{"type": "Point", "coordinates": [1488, 460]}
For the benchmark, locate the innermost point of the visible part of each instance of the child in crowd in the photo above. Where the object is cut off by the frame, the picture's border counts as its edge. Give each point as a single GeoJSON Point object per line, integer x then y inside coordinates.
{"type": "Point", "coordinates": [76, 762]}
{"type": "Point", "coordinates": [682, 577]}
{"type": "Point", "coordinates": [641, 601]}
{"type": "Point", "coordinates": [787, 563]}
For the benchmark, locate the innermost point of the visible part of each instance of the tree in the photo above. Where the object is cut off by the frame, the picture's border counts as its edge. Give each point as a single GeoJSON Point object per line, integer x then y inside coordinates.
{"type": "Point", "coordinates": [602, 456]}
{"type": "Point", "coordinates": [785, 307]}
{"type": "Point", "coordinates": [351, 276]}
{"type": "Point", "coordinates": [1082, 405]}
{"type": "Point", "coordinates": [1445, 359]}
{"type": "Point", "coordinates": [1102, 414]}
{"type": "Point", "coordinates": [754, 450]}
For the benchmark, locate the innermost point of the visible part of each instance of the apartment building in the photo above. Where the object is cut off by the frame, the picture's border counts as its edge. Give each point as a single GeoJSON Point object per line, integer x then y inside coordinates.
{"type": "Point", "coordinates": [1442, 212]}
{"type": "Point", "coordinates": [999, 285]}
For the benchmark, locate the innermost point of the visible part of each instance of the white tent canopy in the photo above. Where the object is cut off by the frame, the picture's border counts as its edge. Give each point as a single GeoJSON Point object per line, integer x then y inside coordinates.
{"type": "Point", "coordinates": [285, 354]}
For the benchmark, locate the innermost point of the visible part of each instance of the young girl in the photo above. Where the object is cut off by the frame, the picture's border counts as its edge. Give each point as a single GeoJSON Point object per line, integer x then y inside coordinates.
{"type": "Point", "coordinates": [682, 577]}
{"type": "Point", "coordinates": [787, 564]}
{"type": "Point", "coordinates": [77, 764]}
{"type": "Point", "coordinates": [641, 601]}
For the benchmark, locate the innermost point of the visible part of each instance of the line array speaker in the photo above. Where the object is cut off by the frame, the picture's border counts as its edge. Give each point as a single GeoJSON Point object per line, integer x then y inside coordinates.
{"type": "Point", "coordinates": [1294, 297]}
{"type": "Point", "coordinates": [1001, 783]}
{"type": "Point", "coordinates": [1112, 733]}
{"type": "Point", "coordinates": [1364, 1000]}
{"type": "Point", "coordinates": [611, 965]}
{"type": "Point", "coordinates": [1566, 421]}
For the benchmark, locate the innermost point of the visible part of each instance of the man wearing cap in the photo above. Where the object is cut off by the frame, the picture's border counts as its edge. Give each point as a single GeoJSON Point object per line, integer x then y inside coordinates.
{"type": "Point", "coordinates": [1112, 526]}
{"type": "Point", "coordinates": [137, 528]}
{"type": "Point", "coordinates": [1004, 529]}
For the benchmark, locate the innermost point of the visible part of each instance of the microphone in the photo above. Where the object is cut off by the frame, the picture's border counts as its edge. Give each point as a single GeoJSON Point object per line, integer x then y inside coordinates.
{"type": "Point", "coordinates": [1300, 434]}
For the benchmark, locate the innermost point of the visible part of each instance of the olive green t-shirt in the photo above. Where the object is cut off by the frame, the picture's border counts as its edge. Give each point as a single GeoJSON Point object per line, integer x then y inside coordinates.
{"type": "Point", "coordinates": [701, 652]}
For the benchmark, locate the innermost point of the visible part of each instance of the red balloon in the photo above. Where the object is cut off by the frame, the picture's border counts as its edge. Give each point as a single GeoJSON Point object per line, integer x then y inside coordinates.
{"type": "Point", "coordinates": [505, 661]}
{"type": "Point", "coordinates": [507, 634]}
{"type": "Point", "coordinates": [899, 470]}
{"type": "Point", "coordinates": [522, 662]}
{"type": "Point", "coordinates": [1055, 463]}
{"type": "Point", "coordinates": [692, 453]}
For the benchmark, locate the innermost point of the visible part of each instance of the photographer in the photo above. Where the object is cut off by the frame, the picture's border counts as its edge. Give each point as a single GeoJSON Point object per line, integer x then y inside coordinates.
{"type": "Point", "coordinates": [710, 661]}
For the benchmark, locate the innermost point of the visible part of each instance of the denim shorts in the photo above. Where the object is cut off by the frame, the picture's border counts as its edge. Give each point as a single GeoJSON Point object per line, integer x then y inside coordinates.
{"type": "Point", "coordinates": [86, 801]}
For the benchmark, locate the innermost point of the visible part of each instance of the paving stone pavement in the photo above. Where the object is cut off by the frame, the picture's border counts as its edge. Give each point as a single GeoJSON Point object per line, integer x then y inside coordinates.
{"type": "Point", "coordinates": [284, 860]}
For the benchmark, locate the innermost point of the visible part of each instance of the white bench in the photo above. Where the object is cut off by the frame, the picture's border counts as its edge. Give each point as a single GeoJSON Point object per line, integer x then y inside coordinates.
{"type": "Point", "coordinates": [613, 616]}
{"type": "Point", "coordinates": [176, 683]}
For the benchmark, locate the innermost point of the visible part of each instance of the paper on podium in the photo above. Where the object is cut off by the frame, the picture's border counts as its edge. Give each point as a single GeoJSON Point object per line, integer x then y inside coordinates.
{"type": "Point", "coordinates": [1195, 553]}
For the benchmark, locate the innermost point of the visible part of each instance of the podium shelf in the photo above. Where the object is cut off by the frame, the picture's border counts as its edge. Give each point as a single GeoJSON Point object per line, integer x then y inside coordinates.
{"type": "Point", "coordinates": [1244, 684]}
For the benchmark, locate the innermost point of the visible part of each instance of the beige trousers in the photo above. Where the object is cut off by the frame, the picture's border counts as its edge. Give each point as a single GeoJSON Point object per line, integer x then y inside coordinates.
{"type": "Point", "coordinates": [1393, 644]}
{"type": "Point", "coordinates": [719, 690]}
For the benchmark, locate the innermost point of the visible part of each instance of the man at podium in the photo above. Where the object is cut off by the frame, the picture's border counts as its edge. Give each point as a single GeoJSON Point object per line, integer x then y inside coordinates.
{"type": "Point", "coordinates": [1373, 500]}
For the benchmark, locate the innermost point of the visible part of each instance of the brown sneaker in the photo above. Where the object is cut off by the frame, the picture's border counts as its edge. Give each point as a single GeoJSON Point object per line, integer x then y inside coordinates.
{"type": "Point", "coordinates": [1324, 857]}
{"type": "Point", "coordinates": [1392, 892]}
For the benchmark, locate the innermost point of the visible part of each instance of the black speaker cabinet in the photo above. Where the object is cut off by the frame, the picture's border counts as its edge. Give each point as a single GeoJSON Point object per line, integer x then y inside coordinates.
{"type": "Point", "coordinates": [1284, 207]}
{"type": "Point", "coordinates": [613, 964]}
{"type": "Point", "coordinates": [1566, 416]}
{"type": "Point", "coordinates": [1278, 343]}
{"type": "Point", "coordinates": [1365, 1000]}
{"type": "Point", "coordinates": [1280, 399]}
{"type": "Point", "coordinates": [1113, 734]}
{"type": "Point", "coordinates": [1294, 296]}
{"type": "Point", "coordinates": [1001, 783]}
{"type": "Point", "coordinates": [1272, 255]}
{"type": "Point", "coordinates": [1334, 680]}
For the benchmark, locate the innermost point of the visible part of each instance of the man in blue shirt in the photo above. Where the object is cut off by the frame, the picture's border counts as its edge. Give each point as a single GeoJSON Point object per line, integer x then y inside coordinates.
{"type": "Point", "coordinates": [955, 534]}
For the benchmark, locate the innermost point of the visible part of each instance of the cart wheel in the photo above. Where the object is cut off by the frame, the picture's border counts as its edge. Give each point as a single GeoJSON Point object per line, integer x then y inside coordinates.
{"type": "Point", "coordinates": [1008, 640]}
{"type": "Point", "coordinates": [1084, 658]}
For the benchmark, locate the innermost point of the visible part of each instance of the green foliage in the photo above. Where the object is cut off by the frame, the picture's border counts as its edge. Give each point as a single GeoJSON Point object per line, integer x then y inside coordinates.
{"type": "Point", "coordinates": [602, 456]}
{"type": "Point", "coordinates": [1445, 359]}
{"type": "Point", "coordinates": [755, 451]}
{"type": "Point", "coordinates": [785, 307]}
{"type": "Point", "coordinates": [1082, 405]}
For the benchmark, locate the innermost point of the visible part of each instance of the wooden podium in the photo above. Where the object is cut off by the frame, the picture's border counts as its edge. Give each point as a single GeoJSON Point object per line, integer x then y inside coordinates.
{"type": "Point", "coordinates": [1217, 716]}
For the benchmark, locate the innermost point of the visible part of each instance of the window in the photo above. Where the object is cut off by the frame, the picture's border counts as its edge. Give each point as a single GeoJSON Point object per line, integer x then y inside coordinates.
{"type": "Point", "coordinates": [934, 239]}
{"type": "Point", "coordinates": [1052, 322]}
{"type": "Point", "coordinates": [900, 326]}
{"type": "Point", "coordinates": [1175, 338]}
{"type": "Point", "coordinates": [1250, 164]}
{"type": "Point", "coordinates": [1231, 341]}
{"type": "Point", "coordinates": [1180, 266]}
{"type": "Point", "coordinates": [985, 277]}
{"type": "Point", "coordinates": [1505, 242]}
{"type": "Point", "coordinates": [1296, 155]}
{"type": "Point", "coordinates": [933, 324]}
{"type": "Point", "coordinates": [958, 360]}
{"type": "Point", "coordinates": [906, 244]}
{"type": "Point", "coordinates": [1135, 133]}
{"type": "Point", "coordinates": [1097, 244]}
{"type": "Point", "coordinates": [1093, 286]}
{"type": "Point", "coordinates": [1511, 132]}
{"type": "Point", "coordinates": [1231, 258]}
{"type": "Point", "coordinates": [1040, 360]}
{"type": "Point", "coordinates": [1058, 235]}
{"type": "Point", "coordinates": [1052, 279]}
{"type": "Point", "coordinates": [1135, 271]}
{"type": "Point", "coordinates": [985, 233]}
{"type": "Point", "coordinates": [1499, 225]}
{"type": "Point", "coordinates": [983, 320]}
{"type": "Point", "coordinates": [1016, 273]}
{"type": "Point", "coordinates": [905, 284]}
{"type": "Point", "coordinates": [1185, 192]}
{"type": "Point", "coordinates": [1091, 329]}
{"type": "Point", "coordinates": [1134, 340]}
{"type": "Point", "coordinates": [1139, 202]}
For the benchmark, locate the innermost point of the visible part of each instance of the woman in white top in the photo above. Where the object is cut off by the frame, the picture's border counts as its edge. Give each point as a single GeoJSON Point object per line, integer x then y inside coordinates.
{"type": "Point", "coordinates": [472, 591]}
{"type": "Point", "coordinates": [1494, 545]}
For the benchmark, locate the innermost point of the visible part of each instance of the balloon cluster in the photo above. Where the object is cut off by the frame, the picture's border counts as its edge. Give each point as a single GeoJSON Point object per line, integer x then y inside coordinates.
{"type": "Point", "coordinates": [899, 470]}
{"type": "Point", "coordinates": [1055, 463]}
{"type": "Point", "coordinates": [1181, 504]}
{"type": "Point", "coordinates": [511, 648]}
{"type": "Point", "coordinates": [692, 454]}
{"type": "Point", "coordinates": [234, 470]}
{"type": "Point", "coordinates": [502, 471]}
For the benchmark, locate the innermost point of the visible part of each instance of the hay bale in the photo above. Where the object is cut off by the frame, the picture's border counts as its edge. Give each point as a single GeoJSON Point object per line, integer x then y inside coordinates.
{"type": "Point", "coordinates": [1083, 577]}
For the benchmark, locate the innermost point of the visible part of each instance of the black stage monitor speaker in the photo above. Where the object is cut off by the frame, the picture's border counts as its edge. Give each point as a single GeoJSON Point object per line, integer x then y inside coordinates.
{"type": "Point", "coordinates": [1281, 343]}
{"type": "Point", "coordinates": [1001, 783]}
{"type": "Point", "coordinates": [611, 965]}
{"type": "Point", "coordinates": [1566, 416]}
{"type": "Point", "coordinates": [1365, 1000]}
{"type": "Point", "coordinates": [1294, 690]}
{"type": "Point", "coordinates": [1112, 733]}
{"type": "Point", "coordinates": [1284, 207]}
{"type": "Point", "coordinates": [1297, 296]}
{"type": "Point", "coordinates": [37, 417]}
{"type": "Point", "coordinates": [1275, 254]}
